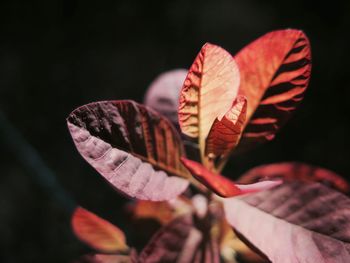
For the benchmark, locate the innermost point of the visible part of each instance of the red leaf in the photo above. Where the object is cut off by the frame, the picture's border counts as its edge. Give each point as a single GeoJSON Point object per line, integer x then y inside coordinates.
{"type": "Point", "coordinates": [209, 90]}
{"type": "Point", "coordinates": [163, 93]}
{"type": "Point", "coordinates": [225, 133]}
{"type": "Point", "coordinates": [168, 244]}
{"type": "Point", "coordinates": [275, 71]}
{"type": "Point", "coordinates": [97, 232]}
{"type": "Point", "coordinates": [132, 147]}
{"type": "Point", "coordinates": [221, 185]}
{"type": "Point", "coordinates": [295, 222]}
{"type": "Point", "coordinates": [295, 171]}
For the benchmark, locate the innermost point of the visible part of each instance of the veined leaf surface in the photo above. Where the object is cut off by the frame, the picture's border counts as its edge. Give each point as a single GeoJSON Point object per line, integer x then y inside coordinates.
{"type": "Point", "coordinates": [132, 147]}
{"type": "Point", "coordinates": [302, 223]}
{"type": "Point", "coordinates": [225, 133]}
{"type": "Point", "coordinates": [208, 92]}
{"type": "Point", "coordinates": [275, 71]}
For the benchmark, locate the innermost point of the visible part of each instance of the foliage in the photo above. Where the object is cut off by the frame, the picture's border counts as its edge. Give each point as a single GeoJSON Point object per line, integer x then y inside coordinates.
{"type": "Point", "coordinates": [227, 105]}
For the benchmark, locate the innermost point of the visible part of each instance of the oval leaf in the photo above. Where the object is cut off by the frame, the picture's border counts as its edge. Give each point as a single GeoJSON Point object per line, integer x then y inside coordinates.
{"type": "Point", "coordinates": [302, 223]}
{"type": "Point", "coordinates": [221, 185]}
{"type": "Point", "coordinates": [169, 242]}
{"type": "Point", "coordinates": [292, 171]}
{"type": "Point", "coordinates": [132, 147]}
{"type": "Point", "coordinates": [97, 232]}
{"type": "Point", "coordinates": [209, 90]}
{"type": "Point", "coordinates": [225, 133]}
{"type": "Point", "coordinates": [275, 71]}
{"type": "Point", "coordinates": [163, 93]}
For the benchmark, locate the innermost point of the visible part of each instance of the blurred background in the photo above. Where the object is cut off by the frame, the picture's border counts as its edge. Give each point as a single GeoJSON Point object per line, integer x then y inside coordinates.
{"type": "Point", "coordinates": [57, 55]}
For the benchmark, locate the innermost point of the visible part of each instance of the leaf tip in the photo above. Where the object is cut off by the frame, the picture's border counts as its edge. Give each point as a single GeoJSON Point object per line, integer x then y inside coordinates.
{"type": "Point", "coordinates": [97, 233]}
{"type": "Point", "coordinates": [259, 186]}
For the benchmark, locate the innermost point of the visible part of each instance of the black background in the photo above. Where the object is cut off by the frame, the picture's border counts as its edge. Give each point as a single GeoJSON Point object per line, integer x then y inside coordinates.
{"type": "Point", "coordinates": [57, 55]}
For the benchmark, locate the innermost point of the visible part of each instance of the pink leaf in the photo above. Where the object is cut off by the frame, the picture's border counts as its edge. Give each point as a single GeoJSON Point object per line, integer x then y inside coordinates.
{"type": "Point", "coordinates": [295, 222]}
{"type": "Point", "coordinates": [163, 93]}
{"type": "Point", "coordinates": [221, 185]}
{"type": "Point", "coordinates": [132, 147]}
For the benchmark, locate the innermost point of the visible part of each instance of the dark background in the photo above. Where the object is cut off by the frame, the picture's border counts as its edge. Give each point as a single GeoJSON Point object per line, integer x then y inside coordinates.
{"type": "Point", "coordinates": [57, 55]}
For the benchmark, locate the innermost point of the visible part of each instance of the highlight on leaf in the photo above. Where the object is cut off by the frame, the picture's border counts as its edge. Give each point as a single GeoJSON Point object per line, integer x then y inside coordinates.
{"type": "Point", "coordinates": [275, 71]}
{"type": "Point", "coordinates": [295, 171]}
{"type": "Point", "coordinates": [132, 147]}
{"type": "Point", "coordinates": [208, 92]}
{"type": "Point", "coordinates": [223, 186]}
{"type": "Point", "coordinates": [97, 232]}
{"type": "Point", "coordinates": [304, 222]}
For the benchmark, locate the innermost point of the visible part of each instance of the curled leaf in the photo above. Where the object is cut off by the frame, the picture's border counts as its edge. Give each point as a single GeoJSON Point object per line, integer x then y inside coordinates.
{"type": "Point", "coordinates": [97, 232]}
{"type": "Point", "coordinates": [163, 93]}
{"type": "Point", "coordinates": [133, 148]}
{"type": "Point", "coordinates": [225, 133]}
{"type": "Point", "coordinates": [208, 92]}
{"type": "Point", "coordinates": [303, 222]}
{"type": "Point", "coordinates": [275, 71]}
{"type": "Point", "coordinates": [294, 171]}
{"type": "Point", "coordinates": [221, 185]}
